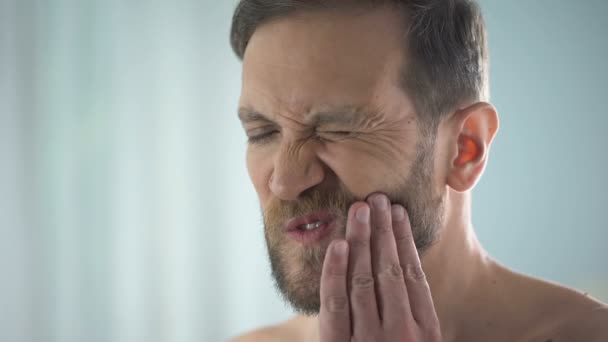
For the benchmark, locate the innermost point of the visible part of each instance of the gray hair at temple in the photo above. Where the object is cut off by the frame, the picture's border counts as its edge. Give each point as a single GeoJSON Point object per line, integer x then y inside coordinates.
{"type": "Point", "coordinates": [444, 42]}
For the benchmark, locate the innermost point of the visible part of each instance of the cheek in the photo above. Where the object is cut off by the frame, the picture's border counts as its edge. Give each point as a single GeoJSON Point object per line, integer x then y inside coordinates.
{"type": "Point", "coordinates": [362, 171]}
{"type": "Point", "coordinates": [259, 168]}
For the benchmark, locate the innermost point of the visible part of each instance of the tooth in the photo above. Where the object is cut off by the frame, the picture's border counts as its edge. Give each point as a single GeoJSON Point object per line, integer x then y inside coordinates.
{"type": "Point", "coordinates": [312, 226]}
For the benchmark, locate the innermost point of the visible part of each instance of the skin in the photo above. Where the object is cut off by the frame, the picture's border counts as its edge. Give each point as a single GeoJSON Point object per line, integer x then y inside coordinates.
{"type": "Point", "coordinates": [311, 62]}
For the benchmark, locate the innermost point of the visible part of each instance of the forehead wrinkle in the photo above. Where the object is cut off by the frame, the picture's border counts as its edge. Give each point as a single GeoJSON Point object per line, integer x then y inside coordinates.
{"type": "Point", "coordinates": [248, 114]}
{"type": "Point", "coordinates": [347, 115]}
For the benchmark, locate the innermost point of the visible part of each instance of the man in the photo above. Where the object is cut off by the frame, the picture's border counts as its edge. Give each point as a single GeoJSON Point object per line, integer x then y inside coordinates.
{"type": "Point", "coordinates": [368, 126]}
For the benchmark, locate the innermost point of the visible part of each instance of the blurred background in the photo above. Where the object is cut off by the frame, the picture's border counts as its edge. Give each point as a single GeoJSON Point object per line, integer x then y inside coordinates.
{"type": "Point", "coordinates": [126, 212]}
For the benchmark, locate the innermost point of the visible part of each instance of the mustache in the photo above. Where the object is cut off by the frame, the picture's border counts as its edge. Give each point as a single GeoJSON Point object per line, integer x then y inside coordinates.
{"type": "Point", "coordinates": [337, 200]}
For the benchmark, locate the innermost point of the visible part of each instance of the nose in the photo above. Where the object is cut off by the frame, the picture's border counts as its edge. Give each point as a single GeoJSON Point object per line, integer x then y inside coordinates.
{"type": "Point", "coordinates": [296, 169]}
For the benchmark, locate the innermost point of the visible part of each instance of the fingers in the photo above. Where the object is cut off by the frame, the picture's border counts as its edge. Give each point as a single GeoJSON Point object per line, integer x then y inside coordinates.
{"type": "Point", "coordinates": [334, 317]}
{"type": "Point", "coordinates": [375, 286]}
{"type": "Point", "coordinates": [419, 293]}
{"type": "Point", "coordinates": [393, 303]}
{"type": "Point", "coordinates": [364, 309]}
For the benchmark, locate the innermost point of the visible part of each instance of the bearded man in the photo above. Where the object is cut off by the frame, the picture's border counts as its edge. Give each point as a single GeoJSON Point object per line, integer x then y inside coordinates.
{"type": "Point", "coordinates": [369, 125]}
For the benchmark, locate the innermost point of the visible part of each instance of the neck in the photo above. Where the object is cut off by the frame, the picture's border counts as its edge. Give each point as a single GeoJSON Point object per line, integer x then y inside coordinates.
{"type": "Point", "coordinates": [456, 267]}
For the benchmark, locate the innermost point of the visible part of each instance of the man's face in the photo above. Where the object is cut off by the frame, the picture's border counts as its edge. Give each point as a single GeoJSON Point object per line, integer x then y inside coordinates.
{"type": "Point", "coordinates": [329, 125]}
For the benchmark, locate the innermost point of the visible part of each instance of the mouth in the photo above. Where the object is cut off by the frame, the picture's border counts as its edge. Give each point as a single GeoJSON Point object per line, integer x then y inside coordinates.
{"type": "Point", "coordinates": [310, 229]}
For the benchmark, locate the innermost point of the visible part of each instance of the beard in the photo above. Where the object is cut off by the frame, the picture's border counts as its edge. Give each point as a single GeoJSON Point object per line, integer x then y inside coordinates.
{"type": "Point", "coordinates": [296, 269]}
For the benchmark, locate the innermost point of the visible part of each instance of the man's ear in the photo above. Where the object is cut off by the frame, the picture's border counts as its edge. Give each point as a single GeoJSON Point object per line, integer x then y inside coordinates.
{"type": "Point", "coordinates": [472, 132]}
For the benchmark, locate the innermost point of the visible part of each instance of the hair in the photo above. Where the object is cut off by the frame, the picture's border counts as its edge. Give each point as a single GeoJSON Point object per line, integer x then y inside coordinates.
{"type": "Point", "coordinates": [444, 44]}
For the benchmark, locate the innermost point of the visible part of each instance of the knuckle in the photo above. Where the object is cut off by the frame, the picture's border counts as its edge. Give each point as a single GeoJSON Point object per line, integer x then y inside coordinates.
{"type": "Point", "coordinates": [404, 237]}
{"type": "Point", "coordinates": [335, 272]}
{"type": "Point", "coordinates": [414, 272]}
{"type": "Point", "coordinates": [384, 228]}
{"type": "Point", "coordinates": [336, 303]}
{"type": "Point", "coordinates": [393, 272]}
{"type": "Point", "coordinates": [359, 243]}
{"type": "Point", "coordinates": [362, 281]}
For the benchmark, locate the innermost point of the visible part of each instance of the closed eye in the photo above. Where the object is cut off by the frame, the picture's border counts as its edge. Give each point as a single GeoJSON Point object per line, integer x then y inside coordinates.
{"type": "Point", "coordinates": [262, 138]}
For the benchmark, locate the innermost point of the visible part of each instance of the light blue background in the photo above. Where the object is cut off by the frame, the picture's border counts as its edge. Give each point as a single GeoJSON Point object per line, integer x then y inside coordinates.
{"type": "Point", "coordinates": [126, 213]}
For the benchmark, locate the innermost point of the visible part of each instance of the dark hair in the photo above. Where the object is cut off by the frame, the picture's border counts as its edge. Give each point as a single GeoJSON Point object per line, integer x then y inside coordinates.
{"type": "Point", "coordinates": [445, 45]}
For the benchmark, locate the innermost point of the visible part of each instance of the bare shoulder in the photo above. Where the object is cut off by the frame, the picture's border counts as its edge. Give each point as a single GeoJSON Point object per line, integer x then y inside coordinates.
{"type": "Point", "coordinates": [589, 325]}
{"type": "Point", "coordinates": [559, 313]}
{"type": "Point", "coordinates": [286, 331]}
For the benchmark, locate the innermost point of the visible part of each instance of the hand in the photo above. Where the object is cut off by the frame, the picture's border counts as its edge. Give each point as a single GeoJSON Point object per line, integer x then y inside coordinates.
{"type": "Point", "coordinates": [373, 288]}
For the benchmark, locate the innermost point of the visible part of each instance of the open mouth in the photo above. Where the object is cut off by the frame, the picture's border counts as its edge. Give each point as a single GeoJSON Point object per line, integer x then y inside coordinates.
{"type": "Point", "coordinates": [311, 228]}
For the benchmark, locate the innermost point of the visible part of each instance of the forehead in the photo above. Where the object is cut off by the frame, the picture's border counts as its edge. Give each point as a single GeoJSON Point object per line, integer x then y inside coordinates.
{"type": "Point", "coordinates": [313, 59]}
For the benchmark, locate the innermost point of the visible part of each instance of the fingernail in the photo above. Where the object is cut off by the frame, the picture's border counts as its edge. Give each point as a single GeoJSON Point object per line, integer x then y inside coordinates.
{"type": "Point", "coordinates": [340, 247]}
{"type": "Point", "coordinates": [362, 214]}
{"type": "Point", "coordinates": [398, 213]}
{"type": "Point", "coordinates": [380, 202]}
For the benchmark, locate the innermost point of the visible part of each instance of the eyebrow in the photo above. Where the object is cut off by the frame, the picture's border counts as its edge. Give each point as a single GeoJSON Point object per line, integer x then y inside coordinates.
{"type": "Point", "coordinates": [348, 115]}
{"type": "Point", "coordinates": [248, 115]}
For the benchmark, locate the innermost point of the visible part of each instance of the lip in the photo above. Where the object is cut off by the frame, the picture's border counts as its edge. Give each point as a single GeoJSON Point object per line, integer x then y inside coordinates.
{"type": "Point", "coordinates": [312, 236]}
